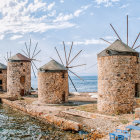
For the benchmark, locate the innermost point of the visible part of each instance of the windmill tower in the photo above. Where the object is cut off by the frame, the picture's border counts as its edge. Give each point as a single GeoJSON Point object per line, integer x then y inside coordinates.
{"type": "Point", "coordinates": [3, 77]}
{"type": "Point", "coordinates": [19, 72]}
{"type": "Point", "coordinates": [118, 77]}
{"type": "Point", "coordinates": [53, 79]}
{"type": "Point", "coordinates": [53, 83]}
{"type": "Point", "coordinates": [18, 75]}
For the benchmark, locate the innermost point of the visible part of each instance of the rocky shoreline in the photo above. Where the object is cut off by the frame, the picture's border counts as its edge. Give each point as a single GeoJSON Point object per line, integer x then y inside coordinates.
{"type": "Point", "coordinates": [73, 116]}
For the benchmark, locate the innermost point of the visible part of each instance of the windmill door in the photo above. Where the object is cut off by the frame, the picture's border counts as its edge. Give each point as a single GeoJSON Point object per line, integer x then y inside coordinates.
{"type": "Point", "coordinates": [22, 92]}
{"type": "Point", "coordinates": [63, 97]}
{"type": "Point", "coordinates": [137, 93]}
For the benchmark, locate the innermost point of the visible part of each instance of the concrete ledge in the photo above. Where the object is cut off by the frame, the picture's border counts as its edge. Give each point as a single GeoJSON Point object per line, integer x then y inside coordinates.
{"type": "Point", "coordinates": [137, 113]}
{"type": "Point", "coordinates": [52, 119]}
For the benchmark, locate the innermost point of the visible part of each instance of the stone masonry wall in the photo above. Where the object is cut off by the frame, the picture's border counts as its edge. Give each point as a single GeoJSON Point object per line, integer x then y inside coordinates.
{"type": "Point", "coordinates": [52, 86]}
{"type": "Point", "coordinates": [3, 77]}
{"type": "Point", "coordinates": [16, 70]}
{"type": "Point", "coordinates": [117, 76]}
{"type": "Point", "coordinates": [139, 77]}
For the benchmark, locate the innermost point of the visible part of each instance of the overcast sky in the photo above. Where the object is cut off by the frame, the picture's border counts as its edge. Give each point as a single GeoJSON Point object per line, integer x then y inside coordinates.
{"type": "Point", "coordinates": [49, 22]}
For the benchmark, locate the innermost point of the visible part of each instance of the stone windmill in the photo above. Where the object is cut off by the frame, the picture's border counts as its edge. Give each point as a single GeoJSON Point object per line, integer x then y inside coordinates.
{"type": "Point", "coordinates": [19, 72]}
{"type": "Point", "coordinates": [3, 77]}
{"type": "Point", "coordinates": [53, 80]}
{"type": "Point", "coordinates": [18, 75]}
{"type": "Point", "coordinates": [118, 76]}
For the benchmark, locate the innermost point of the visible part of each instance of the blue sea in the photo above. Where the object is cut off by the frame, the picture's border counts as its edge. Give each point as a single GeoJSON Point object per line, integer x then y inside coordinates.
{"type": "Point", "coordinates": [88, 85]}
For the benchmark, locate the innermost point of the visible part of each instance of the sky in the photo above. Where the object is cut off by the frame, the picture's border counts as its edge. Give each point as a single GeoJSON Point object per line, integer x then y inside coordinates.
{"type": "Point", "coordinates": [50, 22]}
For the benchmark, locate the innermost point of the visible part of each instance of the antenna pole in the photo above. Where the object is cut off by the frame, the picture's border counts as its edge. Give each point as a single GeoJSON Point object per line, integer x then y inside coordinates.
{"type": "Point", "coordinates": [115, 32]}
{"type": "Point", "coordinates": [136, 40]}
{"type": "Point", "coordinates": [105, 40]}
{"type": "Point", "coordinates": [127, 30]}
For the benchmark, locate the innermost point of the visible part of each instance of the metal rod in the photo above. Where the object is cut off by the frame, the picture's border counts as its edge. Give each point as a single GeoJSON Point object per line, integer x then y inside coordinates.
{"type": "Point", "coordinates": [136, 40]}
{"type": "Point", "coordinates": [5, 58]}
{"type": "Point", "coordinates": [65, 53]}
{"type": "Point", "coordinates": [35, 65]}
{"type": "Point", "coordinates": [127, 30]}
{"type": "Point", "coordinates": [115, 31]}
{"type": "Point", "coordinates": [37, 53]}
{"type": "Point", "coordinates": [25, 53]}
{"type": "Point", "coordinates": [70, 52]}
{"type": "Point", "coordinates": [74, 57]}
{"type": "Point", "coordinates": [59, 56]}
{"type": "Point", "coordinates": [10, 53]}
{"type": "Point", "coordinates": [105, 40]}
{"type": "Point", "coordinates": [27, 49]}
{"type": "Point", "coordinates": [34, 49]}
{"type": "Point", "coordinates": [53, 59]}
{"type": "Point", "coordinates": [137, 47]}
{"type": "Point", "coordinates": [76, 75]}
{"type": "Point", "coordinates": [33, 70]}
{"type": "Point", "coordinates": [72, 83]}
{"type": "Point", "coordinates": [7, 55]}
{"type": "Point", "coordinates": [30, 48]}
{"type": "Point", "coordinates": [76, 66]}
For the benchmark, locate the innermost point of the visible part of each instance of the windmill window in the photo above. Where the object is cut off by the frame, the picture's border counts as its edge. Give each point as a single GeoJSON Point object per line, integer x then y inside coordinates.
{"type": "Point", "coordinates": [136, 90]}
{"type": "Point", "coordinates": [137, 60]}
{"type": "Point", "coordinates": [0, 82]}
{"type": "Point", "coordinates": [0, 88]}
{"type": "Point", "coordinates": [22, 79]}
{"type": "Point", "coordinates": [63, 75]}
{"type": "Point", "coordinates": [0, 71]}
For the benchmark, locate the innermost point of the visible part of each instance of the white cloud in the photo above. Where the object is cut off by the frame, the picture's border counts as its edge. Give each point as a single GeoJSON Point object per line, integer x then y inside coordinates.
{"type": "Point", "coordinates": [110, 37]}
{"type": "Point", "coordinates": [124, 6]}
{"type": "Point", "coordinates": [61, 17]}
{"type": "Point", "coordinates": [50, 6]}
{"type": "Point", "coordinates": [22, 17]}
{"type": "Point", "coordinates": [2, 37]}
{"type": "Point", "coordinates": [106, 3]}
{"type": "Point", "coordinates": [16, 37]}
{"type": "Point", "coordinates": [61, 1]}
{"type": "Point", "coordinates": [88, 42]}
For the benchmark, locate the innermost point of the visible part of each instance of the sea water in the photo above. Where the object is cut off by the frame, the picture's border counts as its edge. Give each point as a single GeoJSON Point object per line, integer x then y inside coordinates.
{"type": "Point", "coordinates": [88, 84]}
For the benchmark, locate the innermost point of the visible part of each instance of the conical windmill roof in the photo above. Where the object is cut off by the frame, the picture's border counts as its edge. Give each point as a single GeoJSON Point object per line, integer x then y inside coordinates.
{"type": "Point", "coordinates": [118, 48]}
{"type": "Point", "coordinates": [19, 57]}
{"type": "Point", "coordinates": [52, 66]}
{"type": "Point", "coordinates": [3, 67]}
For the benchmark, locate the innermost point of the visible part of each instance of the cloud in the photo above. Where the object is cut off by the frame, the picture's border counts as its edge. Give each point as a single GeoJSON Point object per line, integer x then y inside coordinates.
{"type": "Point", "coordinates": [124, 6]}
{"type": "Point", "coordinates": [16, 37]}
{"type": "Point", "coordinates": [22, 17]}
{"type": "Point", "coordinates": [2, 37]}
{"type": "Point", "coordinates": [88, 42]}
{"type": "Point", "coordinates": [50, 6]}
{"type": "Point", "coordinates": [61, 17]}
{"type": "Point", "coordinates": [61, 1]}
{"type": "Point", "coordinates": [106, 3]}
